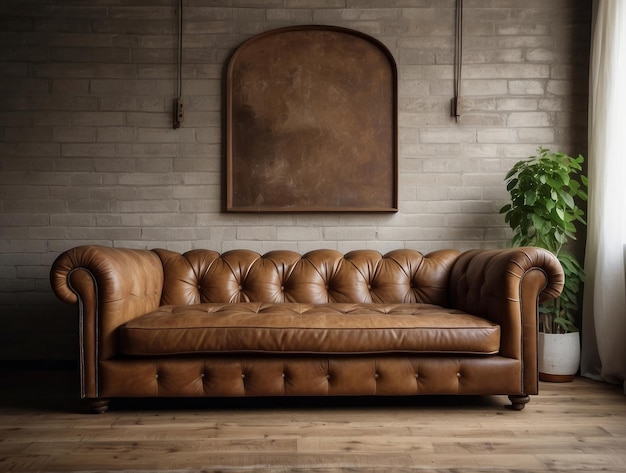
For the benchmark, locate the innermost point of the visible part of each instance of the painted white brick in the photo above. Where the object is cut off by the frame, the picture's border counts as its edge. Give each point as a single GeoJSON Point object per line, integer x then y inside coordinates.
{"type": "Point", "coordinates": [427, 194]}
{"type": "Point", "coordinates": [539, 55]}
{"type": "Point", "coordinates": [111, 134]}
{"type": "Point", "coordinates": [43, 118]}
{"type": "Point", "coordinates": [465, 193]}
{"type": "Point", "coordinates": [518, 29]}
{"type": "Point", "coordinates": [527, 87]}
{"type": "Point", "coordinates": [413, 88]}
{"type": "Point", "coordinates": [448, 135]}
{"type": "Point", "coordinates": [481, 150]}
{"type": "Point", "coordinates": [560, 87]}
{"type": "Point", "coordinates": [517, 104]}
{"type": "Point", "coordinates": [170, 234]}
{"type": "Point", "coordinates": [496, 135]}
{"type": "Point", "coordinates": [268, 233]}
{"type": "Point", "coordinates": [149, 206]}
{"type": "Point", "coordinates": [536, 135]}
{"type": "Point", "coordinates": [533, 119]}
{"type": "Point", "coordinates": [118, 103]}
{"type": "Point", "coordinates": [118, 220]}
{"type": "Point", "coordinates": [489, 87]}
{"type": "Point", "coordinates": [97, 119]}
{"type": "Point", "coordinates": [518, 151]}
{"type": "Point", "coordinates": [88, 150]}
{"type": "Point", "coordinates": [113, 165]}
{"type": "Point", "coordinates": [507, 42]}
{"type": "Point", "coordinates": [552, 104]}
{"type": "Point", "coordinates": [494, 56]}
{"type": "Point", "coordinates": [296, 233]}
{"type": "Point", "coordinates": [74, 134]}
{"type": "Point", "coordinates": [506, 71]}
{"type": "Point", "coordinates": [149, 179]}
{"type": "Point", "coordinates": [474, 119]}
{"type": "Point", "coordinates": [350, 233]}
{"type": "Point", "coordinates": [23, 220]}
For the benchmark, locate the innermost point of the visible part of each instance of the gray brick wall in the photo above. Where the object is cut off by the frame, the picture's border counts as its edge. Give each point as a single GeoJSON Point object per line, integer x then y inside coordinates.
{"type": "Point", "coordinates": [88, 153]}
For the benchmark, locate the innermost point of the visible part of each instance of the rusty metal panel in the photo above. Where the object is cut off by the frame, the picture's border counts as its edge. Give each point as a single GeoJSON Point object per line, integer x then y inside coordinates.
{"type": "Point", "coordinates": [311, 123]}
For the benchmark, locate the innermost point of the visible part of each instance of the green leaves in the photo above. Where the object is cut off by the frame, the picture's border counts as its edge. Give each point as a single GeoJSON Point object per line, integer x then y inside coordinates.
{"type": "Point", "coordinates": [545, 191]}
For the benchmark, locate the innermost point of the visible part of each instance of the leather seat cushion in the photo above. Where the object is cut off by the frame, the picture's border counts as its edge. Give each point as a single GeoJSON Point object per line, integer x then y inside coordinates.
{"type": "Point", "coordinates": [307, 328]}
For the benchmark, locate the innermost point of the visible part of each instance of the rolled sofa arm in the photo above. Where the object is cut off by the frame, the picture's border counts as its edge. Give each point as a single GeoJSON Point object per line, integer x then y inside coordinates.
{"type": "Point", "coordinates": [111, 287]}
{"type": "Point", "coordinates": [506, 287]}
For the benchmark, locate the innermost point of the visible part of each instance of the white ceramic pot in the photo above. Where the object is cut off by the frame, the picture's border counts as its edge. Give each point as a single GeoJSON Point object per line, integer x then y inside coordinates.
{"type": "Point", "coordinates": [559, 356]}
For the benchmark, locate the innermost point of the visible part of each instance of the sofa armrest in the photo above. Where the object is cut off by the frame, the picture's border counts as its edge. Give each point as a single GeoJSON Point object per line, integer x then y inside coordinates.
{"type": "Point", "coordinates": [111, 287]}
{"type": "Point", "coordinates": [506, 287]}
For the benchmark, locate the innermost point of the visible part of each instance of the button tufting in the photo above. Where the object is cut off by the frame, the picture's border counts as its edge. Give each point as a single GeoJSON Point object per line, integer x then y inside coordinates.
{"type": "Point", "coordinates": [417, 375]}
{"type": "Point", "coordinates": [327, 376]}
{"type": "Point", "coordinates": [369, 286]}
{"type": "Point", "coordinates": [202, 375]}
{"type": "Point", "coordinates": [376, 376]}
{"type": "Point", "coordinates": [283, 375]}
{"type": "Point", "coordinates": [156, 376]}
{"type": "Point", "coordinates": [458, 375]}
{"type": "Point", "coordinates": [240, 287]}
{"type": "Point", "coordinates": [243, 376]}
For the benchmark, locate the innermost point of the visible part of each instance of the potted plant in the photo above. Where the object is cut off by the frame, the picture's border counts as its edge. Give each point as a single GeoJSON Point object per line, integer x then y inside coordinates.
{"type": "Point", "coordinates": [545, 190]}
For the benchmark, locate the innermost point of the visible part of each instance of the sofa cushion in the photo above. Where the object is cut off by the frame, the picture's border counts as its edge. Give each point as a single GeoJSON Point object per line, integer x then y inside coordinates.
{"type": "Point", "coordinates": [307, 328]}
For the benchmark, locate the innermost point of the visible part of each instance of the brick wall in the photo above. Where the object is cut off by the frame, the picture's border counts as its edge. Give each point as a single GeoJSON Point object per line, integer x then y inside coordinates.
{"type": "Point", "coordinates": [88, 153]}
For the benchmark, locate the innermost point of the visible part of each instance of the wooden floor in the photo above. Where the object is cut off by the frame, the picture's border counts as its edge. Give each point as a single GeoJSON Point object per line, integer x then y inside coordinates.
{"type": "Point", "coordinates": [579, 426]}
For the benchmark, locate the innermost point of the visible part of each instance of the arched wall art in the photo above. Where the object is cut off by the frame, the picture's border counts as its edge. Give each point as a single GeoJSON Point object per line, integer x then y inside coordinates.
{"type": "Point", "coordinates": [311, 118]}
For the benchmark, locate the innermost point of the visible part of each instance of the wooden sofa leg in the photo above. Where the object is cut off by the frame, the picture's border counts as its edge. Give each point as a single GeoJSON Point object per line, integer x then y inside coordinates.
{"type": "Point", "coordinates": [518, 402]}
{"type": "Point", "coordinates": [99, 406]}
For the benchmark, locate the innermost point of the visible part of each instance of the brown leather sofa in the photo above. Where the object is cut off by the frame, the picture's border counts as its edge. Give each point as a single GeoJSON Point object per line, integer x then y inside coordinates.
{"type": "Point", "coordinates": [159, 323]}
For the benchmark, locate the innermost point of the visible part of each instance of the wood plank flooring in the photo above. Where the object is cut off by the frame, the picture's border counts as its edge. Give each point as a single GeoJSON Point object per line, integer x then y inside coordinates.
{"type": "Point", "coordinates": [578, 426]}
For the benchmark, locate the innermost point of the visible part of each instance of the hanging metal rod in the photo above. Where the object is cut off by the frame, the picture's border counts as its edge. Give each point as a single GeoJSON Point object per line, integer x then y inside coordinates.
{"type": "Point", "coordinates": [178, 102]}
{"type": "Point", "coordinates": [457, 101]}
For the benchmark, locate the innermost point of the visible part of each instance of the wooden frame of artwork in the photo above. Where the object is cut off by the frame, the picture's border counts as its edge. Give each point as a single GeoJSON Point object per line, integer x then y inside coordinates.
{"type": "Point", "coordinates": [311, 116]}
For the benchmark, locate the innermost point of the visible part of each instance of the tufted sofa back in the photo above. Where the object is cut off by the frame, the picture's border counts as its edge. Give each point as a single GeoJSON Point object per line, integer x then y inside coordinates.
{"type": "Point", "coordinates": [318, 277]}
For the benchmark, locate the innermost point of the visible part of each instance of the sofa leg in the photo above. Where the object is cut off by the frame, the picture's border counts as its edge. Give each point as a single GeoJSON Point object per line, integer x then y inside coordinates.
{"type": "Point", "coordinates": [99, 406]}
{"type": "Point", "coordinates": [518, 402]}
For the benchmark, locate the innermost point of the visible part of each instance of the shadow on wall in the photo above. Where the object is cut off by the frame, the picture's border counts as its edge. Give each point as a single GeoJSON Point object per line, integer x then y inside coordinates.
{"type": "Point", "coordinates": [27, 328]}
